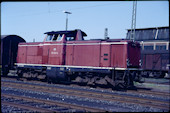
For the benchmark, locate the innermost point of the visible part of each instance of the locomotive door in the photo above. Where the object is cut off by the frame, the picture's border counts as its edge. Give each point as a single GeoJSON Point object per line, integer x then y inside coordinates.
{"type": "Point", "coordinates": [69, 55]}
{"type": "Point", "coordinates": [45, 54]}
{"type": "Point", "coordinates": [105, 56]}
{"type": "Point", "coordinates": [56, 54]}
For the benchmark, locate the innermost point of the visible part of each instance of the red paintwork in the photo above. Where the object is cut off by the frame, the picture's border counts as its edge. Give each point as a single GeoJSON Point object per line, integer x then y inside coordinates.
{"type": "Point", "coordinates": [134, 53]}
{"type": "Point", "coordinates": [79, 53]}
{"type": "Point", "coordinates": [119, 56]}
{"type": "Point", "coordinates": [83, 55]}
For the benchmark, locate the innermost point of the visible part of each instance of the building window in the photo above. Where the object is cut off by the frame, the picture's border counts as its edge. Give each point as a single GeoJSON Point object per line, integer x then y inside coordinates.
{"type": "Point", "coordinates": [160, 47]}
{"type": "Point", "coordinates": [148, 47]}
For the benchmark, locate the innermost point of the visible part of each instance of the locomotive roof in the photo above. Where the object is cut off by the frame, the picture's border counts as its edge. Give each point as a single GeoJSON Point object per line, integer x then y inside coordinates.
{"type": "Point", "coordinates": [70, 32]}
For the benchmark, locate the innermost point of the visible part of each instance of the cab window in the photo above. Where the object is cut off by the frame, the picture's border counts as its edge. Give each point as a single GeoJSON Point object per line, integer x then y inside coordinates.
{"type": "Point", "coordinates": [70, 38]}
{"type": "Point", "coordinates": [49, 37]}
{"type": "Point", "coordinates": [58, 37]}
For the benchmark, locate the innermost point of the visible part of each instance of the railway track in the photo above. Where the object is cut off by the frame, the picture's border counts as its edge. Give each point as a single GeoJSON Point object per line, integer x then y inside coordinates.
{"type": "Point", "coordinates": [27, 107]}
{"type": "Point", "coordinates": [158, 81]}
{"type": "Point", "coordinates": [153, 82]}
{"type": "Point", "coordinates": [142, 91]}
{"type": "Point", "coordinates": [93, 95]}
{"type": "Point", "coordinates": [59, 105]}
{"type": "Point", "coordinates": [137, 91]}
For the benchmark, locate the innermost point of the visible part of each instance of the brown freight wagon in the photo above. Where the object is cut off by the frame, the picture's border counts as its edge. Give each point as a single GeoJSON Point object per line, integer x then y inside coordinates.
{"type": "Point", "coordinates": [9, 48]}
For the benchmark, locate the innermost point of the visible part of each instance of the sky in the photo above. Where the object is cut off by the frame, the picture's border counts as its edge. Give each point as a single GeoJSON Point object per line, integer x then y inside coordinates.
{"type": "Point", "coordinates": [31, 20]}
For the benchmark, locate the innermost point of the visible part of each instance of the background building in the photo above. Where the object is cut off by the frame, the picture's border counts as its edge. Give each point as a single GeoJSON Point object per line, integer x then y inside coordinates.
{"type": "Point", "coordinates": [154, 49]}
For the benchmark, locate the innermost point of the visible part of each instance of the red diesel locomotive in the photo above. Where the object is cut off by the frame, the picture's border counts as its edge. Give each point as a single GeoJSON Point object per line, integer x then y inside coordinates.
{"type": "Point", "coordinates": [66, 56]}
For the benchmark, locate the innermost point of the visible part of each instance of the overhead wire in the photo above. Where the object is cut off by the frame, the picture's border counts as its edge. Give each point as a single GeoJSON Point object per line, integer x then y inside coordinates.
{"type": "Point", "coordinates": [58, 11]}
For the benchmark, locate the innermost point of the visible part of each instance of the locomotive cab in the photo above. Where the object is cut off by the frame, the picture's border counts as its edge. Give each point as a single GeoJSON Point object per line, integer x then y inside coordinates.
{"type": "Point", "coordinates": [76, 35]}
